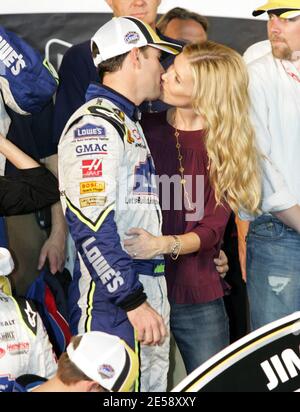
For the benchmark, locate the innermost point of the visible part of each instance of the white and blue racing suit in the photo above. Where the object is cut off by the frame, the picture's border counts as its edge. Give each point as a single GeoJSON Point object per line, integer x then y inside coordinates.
{"type": "Point", "coordinates": [107, 184]}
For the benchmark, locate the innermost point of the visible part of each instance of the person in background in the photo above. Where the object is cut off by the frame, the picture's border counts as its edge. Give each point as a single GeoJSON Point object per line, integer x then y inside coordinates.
{"type": "Point", "coordinates": [34, 187]}
{"type": "Point", "coordinates": [24, 343]}
{"type": "Point", "coordinates": [196, 141]}
{"type": "Point", "coordinates": [182, 24]}
{"type": "Point", "coordinates": [273, 241]}
{"type": "Point", "coordinates": [93, 362]}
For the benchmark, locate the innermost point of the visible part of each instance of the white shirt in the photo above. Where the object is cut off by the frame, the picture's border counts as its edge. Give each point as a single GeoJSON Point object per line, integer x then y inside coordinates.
{"type": "Point", "coordinates": [275, 97]}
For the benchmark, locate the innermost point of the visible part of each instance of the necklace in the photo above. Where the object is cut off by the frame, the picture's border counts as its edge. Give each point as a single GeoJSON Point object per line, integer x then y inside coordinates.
{"type": "Point", "coordinates": [181, 171]}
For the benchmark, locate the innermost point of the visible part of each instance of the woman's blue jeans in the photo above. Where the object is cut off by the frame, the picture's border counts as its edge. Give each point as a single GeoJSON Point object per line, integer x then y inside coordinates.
{"type": "Point", "coordinates": [200, 331]}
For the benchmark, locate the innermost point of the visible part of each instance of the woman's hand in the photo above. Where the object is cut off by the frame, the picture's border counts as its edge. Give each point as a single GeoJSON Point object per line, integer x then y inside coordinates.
{"type": "Point", "coordinates": [143, 245]}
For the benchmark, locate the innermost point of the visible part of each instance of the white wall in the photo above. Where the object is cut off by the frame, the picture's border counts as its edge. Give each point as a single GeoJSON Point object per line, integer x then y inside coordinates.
{"type": "Point", "coordinates": [222, 8]}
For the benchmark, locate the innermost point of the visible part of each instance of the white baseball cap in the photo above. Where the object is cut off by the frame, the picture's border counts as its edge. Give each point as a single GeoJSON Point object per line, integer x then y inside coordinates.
{"type": "Point", "coordinates": [286, 9]}
{"type": "Point", "coordinates": [106, 359]}
{"type": "Point", "coordinates": [121, 34]}
{"type": "Point", "coordinates": [6, 262]}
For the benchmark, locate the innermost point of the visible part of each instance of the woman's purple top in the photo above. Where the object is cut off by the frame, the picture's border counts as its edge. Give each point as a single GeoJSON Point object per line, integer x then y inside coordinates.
{"type": "Point", "coordinates": [191, 278]}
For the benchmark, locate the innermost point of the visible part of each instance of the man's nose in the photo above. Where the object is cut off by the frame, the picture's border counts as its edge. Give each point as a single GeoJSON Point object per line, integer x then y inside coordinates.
{"type": "Point", "coordinates": [139, 3]}
{"type": "Point", "coordinates": [275, 24]}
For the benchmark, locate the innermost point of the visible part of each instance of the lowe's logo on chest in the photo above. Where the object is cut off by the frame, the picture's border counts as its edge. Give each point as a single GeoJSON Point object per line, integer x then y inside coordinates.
{"type": "Point", "coordinates": [91, 149]}
{"type": "Point", "coordinates": [90, 130]}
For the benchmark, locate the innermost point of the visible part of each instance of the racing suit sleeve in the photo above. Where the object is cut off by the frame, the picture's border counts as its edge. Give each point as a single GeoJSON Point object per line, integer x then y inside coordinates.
{"type": "Point", "coordinates": [42, 360]}
{"type": "Point", "coordinates": [91, 157]}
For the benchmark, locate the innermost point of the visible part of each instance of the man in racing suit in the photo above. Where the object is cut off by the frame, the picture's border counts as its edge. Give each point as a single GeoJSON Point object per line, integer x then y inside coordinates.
{"type": "Point", "coordinates": [107, 182]}
{"type": "Point", "coordinates": [24, 343]}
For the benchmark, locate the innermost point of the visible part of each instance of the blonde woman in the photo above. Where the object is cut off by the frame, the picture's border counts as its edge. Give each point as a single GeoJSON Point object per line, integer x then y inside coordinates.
{"type": "Point", "coordinates": [207, 141]}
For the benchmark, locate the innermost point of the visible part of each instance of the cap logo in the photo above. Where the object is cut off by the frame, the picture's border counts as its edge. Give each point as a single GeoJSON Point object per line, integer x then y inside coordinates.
{"type": "Point", "coordinates": [106, 371]}
{"type": "Point", "coordinates": [132, 37]}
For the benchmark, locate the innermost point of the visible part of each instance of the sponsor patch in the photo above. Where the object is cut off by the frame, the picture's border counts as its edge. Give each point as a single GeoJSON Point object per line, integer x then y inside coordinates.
{"type": "Point", "coordinates": [18, 348]}
{"type": "Point", "coordinates": [10, 58]}
{"type": "Point", "coordinates": [7, 336]}
{"type": "Point", "coordinates": [9, 322]}
{"type": "Point", "coordinates": [132, 37]}
{"type": "Point", "coordinates": [2, 352]}
{"type": "Point", "coordinates": [130, 138]}
{"type": "Point", "coordinates": [91, 149]}
{"type": "Point", "coordinates": [92, 187]}
{"type": "Point", "coordinates": [92, 168]}
{"type": "Point", "coordinates": [106, 371]}
{"type": "Point", "coordinates": [92, 201]}
{"type": "Point", "coordinates": [90, 129]}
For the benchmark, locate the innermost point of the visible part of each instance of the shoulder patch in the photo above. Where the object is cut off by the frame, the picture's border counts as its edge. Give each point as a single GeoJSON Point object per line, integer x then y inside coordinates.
{"type": "Point", "coordinates": [90, 129]}
{"type": "Point", "coordinates": [29, 313]}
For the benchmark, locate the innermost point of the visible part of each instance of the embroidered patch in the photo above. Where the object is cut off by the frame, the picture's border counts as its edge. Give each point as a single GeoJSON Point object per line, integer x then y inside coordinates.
{"type": "Point", "coordinates": [132, 37]}
{"type": "Point", "coordinates": [106, 371]}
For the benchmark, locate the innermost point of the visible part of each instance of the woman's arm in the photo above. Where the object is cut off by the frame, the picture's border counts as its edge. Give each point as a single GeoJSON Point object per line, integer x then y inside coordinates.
{"type": "Point", "coordinates": [18, 158]}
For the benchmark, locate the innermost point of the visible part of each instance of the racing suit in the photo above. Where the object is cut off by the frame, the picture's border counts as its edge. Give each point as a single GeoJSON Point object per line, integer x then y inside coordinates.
{"type": "Point", "coordinates": [24, 343]}
{"type": "Point", "coordinates": [107, 184]}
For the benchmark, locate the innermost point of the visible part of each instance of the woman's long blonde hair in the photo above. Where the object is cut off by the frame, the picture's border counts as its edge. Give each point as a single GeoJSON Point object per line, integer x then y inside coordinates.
{"type": "Point", "coordinates": [221, 97]}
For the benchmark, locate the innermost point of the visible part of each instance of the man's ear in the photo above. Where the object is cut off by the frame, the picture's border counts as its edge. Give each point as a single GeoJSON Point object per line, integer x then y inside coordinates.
{"type": "Point", "coordinates": [92, 386]}
{"type": "Point", "coordinates": [135, 57]}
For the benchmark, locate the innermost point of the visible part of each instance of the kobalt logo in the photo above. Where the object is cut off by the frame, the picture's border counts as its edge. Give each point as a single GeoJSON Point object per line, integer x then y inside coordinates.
{"type": "Point", "coordinates": [10, 58]}
{"type": "Point", "coordinates": [92, 168]}
{"type": "Point", "coordinates": [91, 149]}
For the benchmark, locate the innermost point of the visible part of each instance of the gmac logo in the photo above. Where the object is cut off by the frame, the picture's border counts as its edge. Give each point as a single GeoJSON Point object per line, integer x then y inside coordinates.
{"type": "Point", "coordinates": [91, 149]}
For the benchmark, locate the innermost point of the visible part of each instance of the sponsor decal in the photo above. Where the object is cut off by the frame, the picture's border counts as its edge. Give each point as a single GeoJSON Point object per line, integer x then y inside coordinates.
{"type": "Point", "coordinates": [2, 298]}
{"type": "Point", "coordinates": [111, 279]}
{"type": "Point", "coordinates": [91, 149]}
{"type": "Point", "coordinates": [10, 58]}
{"type": "Point", "coordinates": [7, 336]}
{"type": "Point", "coordinates": [91, 168]}
{"type": "Point", "coordinates": [2, 352]}
{"type": "Point", "coordinates": [106, 371]}
{"type": "Point", "coordinates": [130, 138]}
{"type": "Point", "coordinates": [145, 178]}
{"type": "Point", "coordinates": [132, 37]}
{"type": "Point", "coordinates": [92, 201]}
{"type": "Point", "coordinates": [90, 129]}
{"type": "Point", "coordinates": [10, 322]}
{"type": "Point", "coordinates": [92, 187]}
{"type": "Point", "coordinates": [136, 135]}
{"type": "Point", "coordinates": [18, 348]}
{"type": "Point", "coordinates": [31, 315]}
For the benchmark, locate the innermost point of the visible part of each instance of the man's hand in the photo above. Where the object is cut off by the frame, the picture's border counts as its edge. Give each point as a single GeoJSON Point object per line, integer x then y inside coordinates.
{"type": "Point", "coordinates": [54, 250]}
{"type": "Point", "coordinates": [222, 264]}
{"type": "Point", "coordinates": [148, 324]}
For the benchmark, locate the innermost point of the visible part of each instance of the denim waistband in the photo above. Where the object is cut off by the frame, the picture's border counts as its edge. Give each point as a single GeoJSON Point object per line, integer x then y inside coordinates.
{"type": "Point", "coordinates": [268, 218]}
{"type": "Point", "coordinates": [154, 267]}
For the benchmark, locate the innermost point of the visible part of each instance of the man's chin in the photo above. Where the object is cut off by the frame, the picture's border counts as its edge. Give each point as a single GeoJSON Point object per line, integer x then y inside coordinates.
{"type": "Point", "coordinates": [282, 52]}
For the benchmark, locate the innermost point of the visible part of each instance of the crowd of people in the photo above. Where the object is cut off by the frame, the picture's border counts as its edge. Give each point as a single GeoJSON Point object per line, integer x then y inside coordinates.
{"type": "Point", "coordinates": [162, 138]}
